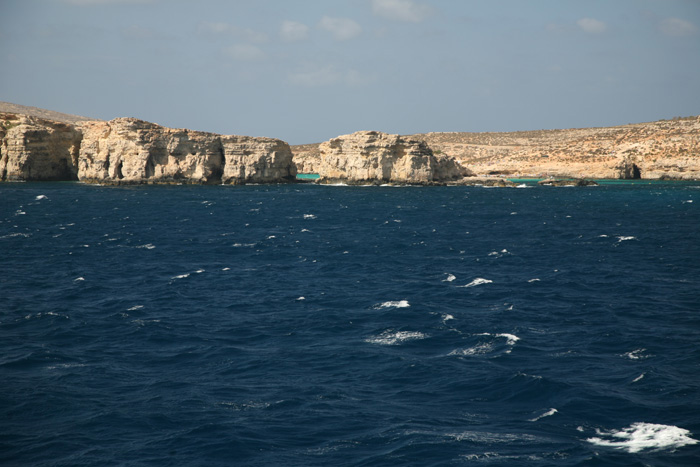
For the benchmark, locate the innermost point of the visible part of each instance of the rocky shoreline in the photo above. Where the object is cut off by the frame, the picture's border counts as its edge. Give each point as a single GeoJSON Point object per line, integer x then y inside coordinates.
{"type": "Point", "coordinates": [127, 151]}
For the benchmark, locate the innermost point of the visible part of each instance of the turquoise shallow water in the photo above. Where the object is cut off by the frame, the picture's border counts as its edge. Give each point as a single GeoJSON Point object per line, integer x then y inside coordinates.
{"type": "Point", "coordinates": [317, 325]}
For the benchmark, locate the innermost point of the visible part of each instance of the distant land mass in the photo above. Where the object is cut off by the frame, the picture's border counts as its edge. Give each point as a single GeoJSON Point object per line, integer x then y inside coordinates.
{"type": "Point", "coordinates": [7, 107]}
{"type": "Point", "coordinates": [38, 144]}
{"type": "Point", "coordinates": [667, 149]}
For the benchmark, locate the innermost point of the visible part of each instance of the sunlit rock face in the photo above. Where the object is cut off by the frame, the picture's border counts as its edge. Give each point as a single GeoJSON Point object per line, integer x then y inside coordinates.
{"type": "Point", "coordinates": [34, 149]}
{"type": "Point", "coordinates": [127, 150]}
{"type": "Point", "coordinates": [375, 157]}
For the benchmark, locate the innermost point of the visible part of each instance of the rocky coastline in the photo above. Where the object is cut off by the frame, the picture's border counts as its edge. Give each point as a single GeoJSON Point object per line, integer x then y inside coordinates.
{"type": "Point", "coordinates": [40, 145]}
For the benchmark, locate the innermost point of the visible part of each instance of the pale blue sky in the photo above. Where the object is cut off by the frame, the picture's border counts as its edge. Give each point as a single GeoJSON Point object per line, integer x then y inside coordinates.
{"type": "Point", "coordinates": [309, 70]}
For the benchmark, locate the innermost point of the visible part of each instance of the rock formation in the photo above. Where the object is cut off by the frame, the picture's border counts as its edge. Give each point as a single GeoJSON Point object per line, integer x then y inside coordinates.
{"type": "Point", "coordinates": [664, 149]}
{"type": "Point", "coordinates": [127, 150]}
{"type": "Point", "coordinates": [37, 144]}
{"type": "Point", "coordinates": [375, 157]}
{"type": "Point", "coordinates": [35, 149]}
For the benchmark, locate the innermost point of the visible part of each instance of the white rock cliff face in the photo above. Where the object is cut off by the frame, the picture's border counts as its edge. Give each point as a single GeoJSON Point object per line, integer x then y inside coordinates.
{"type": "Point", "coordinates": [375, 157]}
{"type": "Point", "coordinates": [127, 150]}
{"type": "Point", "coordinates": [36, 149]}
{"type": "Point", "coordinates": [131, 151]}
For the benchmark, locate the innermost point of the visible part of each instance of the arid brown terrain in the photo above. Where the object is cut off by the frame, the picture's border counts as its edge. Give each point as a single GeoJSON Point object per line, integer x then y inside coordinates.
{"type": "Point", "coordinates": [663, 149]}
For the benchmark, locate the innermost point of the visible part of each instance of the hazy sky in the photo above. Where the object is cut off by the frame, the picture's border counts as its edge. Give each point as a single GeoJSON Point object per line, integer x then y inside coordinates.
{"type": "Point", "coordinates": [309, 70]}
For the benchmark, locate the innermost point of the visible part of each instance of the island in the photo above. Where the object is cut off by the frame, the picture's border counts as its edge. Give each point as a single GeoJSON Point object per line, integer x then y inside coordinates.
{"type": "Point", "coordinates": [40, 145]}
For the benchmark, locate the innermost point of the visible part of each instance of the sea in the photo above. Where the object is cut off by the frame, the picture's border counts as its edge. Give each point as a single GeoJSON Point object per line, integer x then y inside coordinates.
{"type": "Point", "coordinates": [309, 325]}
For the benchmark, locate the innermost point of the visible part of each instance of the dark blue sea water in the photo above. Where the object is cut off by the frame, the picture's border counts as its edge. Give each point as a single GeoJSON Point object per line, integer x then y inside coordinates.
{"type": "Point", "coordinates": [306, 325]}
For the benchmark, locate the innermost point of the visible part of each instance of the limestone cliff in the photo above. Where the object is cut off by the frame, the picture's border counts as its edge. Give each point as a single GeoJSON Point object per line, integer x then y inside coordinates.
{"type": "Point", "coordinates": [375, 157]}
{"type": "Point", "coordinates": [663, 149]}
{"type": "Point", "coordinates": [129, 151]}
{"type": "Point", "coordinates": [35, 149]}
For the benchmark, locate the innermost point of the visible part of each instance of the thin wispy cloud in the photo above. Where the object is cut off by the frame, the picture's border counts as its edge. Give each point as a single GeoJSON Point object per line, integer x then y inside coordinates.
{"type": "Point", "coordinates": [677, 27]}
{"type": "Point", "coordinates": [592, 26]}
{"type": "Point", "coordinates": [401, 10]}
{"type": "Point", "coordinates": [292, 31]}
{"type": "Point", "coordinates": [342, 29]}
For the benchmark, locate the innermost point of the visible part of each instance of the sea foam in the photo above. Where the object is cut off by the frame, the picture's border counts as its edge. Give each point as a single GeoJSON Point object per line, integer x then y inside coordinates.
{"type": "Point", "coordinates": [477, 281]}
{"type": "Point", "coordinates": [396, 304]}
{"type": "Point", "coordinates": [548, 413]}
{"type": "Point", "coordinates": [391, 337]}
{"type": "Point", "coordinates": [641, 436]}
{"type": "Point", "coordinates": [623, 238]}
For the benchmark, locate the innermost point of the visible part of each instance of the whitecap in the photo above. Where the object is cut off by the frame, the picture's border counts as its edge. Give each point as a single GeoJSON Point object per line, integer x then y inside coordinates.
{"type": "Point", "coordinates": [301, 298]}
{"type": "Point", "coordinates": [226, 269]}
{"type": "Point", "coordinates": [511, 338]}
{"type": "Point", "coordinates": [479, 349]}
{"type": "Point", "coordinates": [639, 377]}
{"type": "Point", "coordinates": [637, 354]}
{"type": "Point", "coordinates": [65, 365]}
{"type": "Point", "coordinates": [309, 216]}
{"type": "Point", "coordinates": [499, 253]}
{"type": "Point", "coordinates": [477, 281]}
{"type": "Point", "coordinates": [16, 234]}
{"type": "Point", "coordinates": [446, 317]}
{"type": "Point", "coordinates": [41, 197]}
{"type": "Point", "coordinates": [395, 304]}
{"type": "Point", "coordinates": [305, 230]}
{"type": "Point", "coordinates": [534, 280]}
{"type": "Point", "coordinates": [640, 436]}
{"type": "Point", "coordinates": [271, 237]}
{"type": "Point", "coordinates": [548, 413]}
{"type": "Point", "coordinates": [135, 307]}
{"type": "Point", "coordinates": [449, 278]}
{"type": "Point", "coordinates": [147, 246]}
{"type": "Point", "coordinates": [181, 276]}
{"type": "Point", "coordinates": [625, 238]}
{"type": "Point", "coordinates": [391, 337]}
{"type": "Point", "coordinates": [199, 271]}
{"type": "Point", "coordinates": [79, 279]}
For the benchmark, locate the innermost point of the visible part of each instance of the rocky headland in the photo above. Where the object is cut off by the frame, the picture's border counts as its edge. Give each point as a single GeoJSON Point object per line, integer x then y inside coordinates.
{"type": "Point", "coordinates": [666, 149]}
{"type": "Point", "coordinates": [38, 145]}
{"type": "Point", "coordinates": [132, 151]}
{"type": "Point", "coordinates": [372, 157]}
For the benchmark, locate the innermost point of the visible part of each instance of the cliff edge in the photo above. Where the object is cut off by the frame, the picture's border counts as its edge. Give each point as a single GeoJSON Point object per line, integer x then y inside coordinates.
{"type": "Point", "coordinates": [132, 151]}
{"type": "Point", "coordinates": [375, 157]}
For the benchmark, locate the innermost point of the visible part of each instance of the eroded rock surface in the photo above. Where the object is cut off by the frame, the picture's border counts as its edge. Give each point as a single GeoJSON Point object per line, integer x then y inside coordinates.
{"type": "Point", "coordinates": [663, 149]}
{"type": "Point", "coordinates": [375, 157]}
{"type": "Point", "coordinates": [36, 149]}
{"type": "Point", "coordinates": [128, 150]}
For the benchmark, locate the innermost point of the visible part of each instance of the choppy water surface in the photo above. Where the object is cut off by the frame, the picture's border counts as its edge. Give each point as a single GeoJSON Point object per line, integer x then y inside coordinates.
{"type": "Point", "coordinates": [311, 325]}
